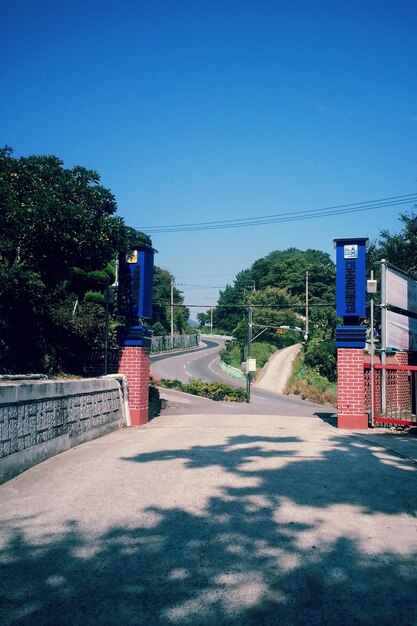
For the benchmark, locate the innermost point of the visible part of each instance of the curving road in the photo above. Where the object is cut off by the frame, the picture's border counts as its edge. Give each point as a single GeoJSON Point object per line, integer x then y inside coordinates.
{"type": "Point", "coordinates": [204, 363]}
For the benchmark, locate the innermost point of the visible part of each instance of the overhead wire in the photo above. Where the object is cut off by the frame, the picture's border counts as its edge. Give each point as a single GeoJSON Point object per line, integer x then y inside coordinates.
{"type": "Point", "coordinates": [289, 216]}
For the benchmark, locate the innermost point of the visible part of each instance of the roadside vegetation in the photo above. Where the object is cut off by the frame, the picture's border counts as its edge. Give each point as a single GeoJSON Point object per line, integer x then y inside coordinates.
{"type": "Point", "coordinates": [213, 390]}
{"type": "Point", "coordinates": [233, 354]}
{"type": "Point", "coordinates": [59, 240]}
{"type": "Point", "coordinates": [306, 382]}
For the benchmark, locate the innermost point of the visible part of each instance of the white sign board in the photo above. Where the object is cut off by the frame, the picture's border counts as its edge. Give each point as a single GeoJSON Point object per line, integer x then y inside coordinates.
{"type": "Point", "coordinates": [401, 291]}
{"type": "Point", "coordinates": [401, 331]}
{"type": "Point", "coordinates": [350, 251]}
{"type": "Point", "coordinates": [251, 365]}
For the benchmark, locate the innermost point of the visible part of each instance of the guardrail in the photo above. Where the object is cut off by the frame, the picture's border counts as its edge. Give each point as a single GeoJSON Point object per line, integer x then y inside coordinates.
{"type": "Point", "coordinates": [166, 343]}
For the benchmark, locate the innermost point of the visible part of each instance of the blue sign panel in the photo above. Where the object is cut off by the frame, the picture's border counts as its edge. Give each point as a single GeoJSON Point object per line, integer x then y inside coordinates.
{"type": "Point", "coordinates": [136, 284]}
{"type": "Point", "coordinates": [350, 336]}
{"type": "Point", "coordinates": [351, 277]}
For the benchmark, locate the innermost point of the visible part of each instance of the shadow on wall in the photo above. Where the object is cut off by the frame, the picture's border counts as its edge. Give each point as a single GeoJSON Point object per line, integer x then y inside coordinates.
{"type": "Point", "coordinates": [287, 546]}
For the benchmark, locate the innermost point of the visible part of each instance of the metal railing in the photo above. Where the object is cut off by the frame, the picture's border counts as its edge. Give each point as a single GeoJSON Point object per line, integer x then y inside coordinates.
{"type": "Point", "coordinates": [166, 343]}
{"type": "Point", "coordinates": [400, 394]}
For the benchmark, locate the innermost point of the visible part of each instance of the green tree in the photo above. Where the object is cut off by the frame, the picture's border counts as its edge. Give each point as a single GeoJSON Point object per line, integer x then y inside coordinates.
{"type": "Point", "coordinates": [162, 303]}
{"type": "Point", "coordinates": [203, 318]}
{"type": "Point", "coordinates": [59, 236]}
{"type": "Point", "coordinates": [397, 248]}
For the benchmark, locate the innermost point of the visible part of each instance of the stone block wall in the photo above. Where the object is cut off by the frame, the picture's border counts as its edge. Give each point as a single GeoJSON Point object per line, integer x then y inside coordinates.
{"type": "Point", "coordinates": [41, 418]}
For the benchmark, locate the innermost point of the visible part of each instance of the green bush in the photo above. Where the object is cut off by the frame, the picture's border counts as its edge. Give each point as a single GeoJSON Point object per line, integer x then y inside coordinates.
{"type": "Point", "coordinates": [158, 330]}
{"type": "Point", "coordinates": [213, 390]}
{"type": "Point", "coordinates": [321, 355]}
{"type": "Point", "coordinates": [232, 355]}
{"type": "Point", "coordinates": [309, 383]}
{"type": "Point", "coordinates": [94, 296]}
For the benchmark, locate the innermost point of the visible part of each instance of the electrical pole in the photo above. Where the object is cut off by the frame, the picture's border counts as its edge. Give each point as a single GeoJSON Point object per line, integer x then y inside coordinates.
{"type": "Point", "coordinates": [172, 307]}
{"type": "Point", "coordinates": [383, 335]}
{"type": "Point", "coordinates": [211, 321]}
{"type": "Point", "coordinates": [249, 374]}
{"type": "Point", "coordinates": [372, 356]}
{"type": "Point", "coordinates": [306, 333]}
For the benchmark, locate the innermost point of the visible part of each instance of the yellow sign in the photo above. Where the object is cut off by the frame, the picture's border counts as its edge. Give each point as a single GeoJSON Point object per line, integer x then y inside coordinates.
{"type": "Point", "coordinates": [133, 258]}
{"type": "Point", "coordinates": [280, 331]}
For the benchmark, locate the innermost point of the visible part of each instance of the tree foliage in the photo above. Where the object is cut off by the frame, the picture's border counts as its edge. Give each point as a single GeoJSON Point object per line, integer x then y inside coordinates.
{"type": "Point", "coordinates": [59, 237]}
{"type": "Point", "coordinates": [399, 249]}
{"type": "Point", "coordinates": [275, 286]}
{"type": "Point", "coordinates": [162, 304]}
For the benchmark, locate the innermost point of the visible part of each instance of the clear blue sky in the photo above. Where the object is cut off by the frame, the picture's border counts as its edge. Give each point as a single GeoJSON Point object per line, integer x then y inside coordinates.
{"type": "Point", "coordinates": [199, 110]}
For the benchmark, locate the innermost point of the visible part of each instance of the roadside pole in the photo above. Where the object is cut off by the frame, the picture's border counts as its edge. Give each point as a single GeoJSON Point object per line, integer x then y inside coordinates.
{"type": "Point", "coordinates": [371, 288]}
{"type": "Point", "coordinates": [172, 307]}
{"type": "Point", "coordinates": [383, 335]}
{"type": "Point", "coordinates": [248, 373]}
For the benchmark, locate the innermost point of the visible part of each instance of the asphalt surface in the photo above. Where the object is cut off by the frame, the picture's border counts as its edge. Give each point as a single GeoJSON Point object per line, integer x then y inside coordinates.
{"type": "Point", "coordinates": [215, 519]}
{"type": "Point", "coordinates": [204, 363]}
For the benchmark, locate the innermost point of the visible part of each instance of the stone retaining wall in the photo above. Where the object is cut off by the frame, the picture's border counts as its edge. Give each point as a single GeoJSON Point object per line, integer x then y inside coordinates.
{"type": "Point", "coordinates": [39, 419]}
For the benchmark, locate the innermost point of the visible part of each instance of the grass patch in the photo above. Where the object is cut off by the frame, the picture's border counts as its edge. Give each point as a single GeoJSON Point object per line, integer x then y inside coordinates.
{"type": "Point", "coordinates": [306, 382]}
{"type": "Point", "coordinates": [213, 390]}
{"type": "Point", "coordinates": [260, 351]}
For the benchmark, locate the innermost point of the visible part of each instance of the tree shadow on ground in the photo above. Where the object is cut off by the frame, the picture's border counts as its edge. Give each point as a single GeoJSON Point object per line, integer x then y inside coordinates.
{"type": "Point", "coordinates": [302, 536]}
{"type": "Point", "coordinates": [328, 418]}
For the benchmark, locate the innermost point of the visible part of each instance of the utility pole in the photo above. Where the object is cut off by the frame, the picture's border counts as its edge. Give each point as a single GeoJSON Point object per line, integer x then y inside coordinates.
{"type": "Point", "coordinates": [383, 335]}
{"type": "Point", "coordinates": [371, 288]}
{"type": "Point", "coordinates": [172, 306]}
{"type": "Point", "coordinates": [249, 374]}
{"type": "Point", "coordinates": [306, 333]}
{"type": "Point", "coordinates": [211, 320]}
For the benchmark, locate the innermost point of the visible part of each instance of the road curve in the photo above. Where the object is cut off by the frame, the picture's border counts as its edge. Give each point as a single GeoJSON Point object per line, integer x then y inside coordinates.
{"type": "Point", "coordinates": [204, 363]}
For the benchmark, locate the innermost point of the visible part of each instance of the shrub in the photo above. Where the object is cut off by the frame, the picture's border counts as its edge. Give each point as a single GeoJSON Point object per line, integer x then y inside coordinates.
{"type": "Point", "coordinates": [309, 383]}
{"type": "Point", "coordinates": [321, 355]}
{"type": "Point", "coordinates": [213, 390]}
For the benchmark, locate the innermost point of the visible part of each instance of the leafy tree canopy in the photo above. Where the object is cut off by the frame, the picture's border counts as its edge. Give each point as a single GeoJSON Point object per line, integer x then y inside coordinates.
{"type": "Point", "coordinates": [59, 237]}
{"type": "Point", "coordinates": [283, 270]}
{"type": "Point", "coordinates": [162, 303]}
{"type": "Point", "coordinates": [398, 248]}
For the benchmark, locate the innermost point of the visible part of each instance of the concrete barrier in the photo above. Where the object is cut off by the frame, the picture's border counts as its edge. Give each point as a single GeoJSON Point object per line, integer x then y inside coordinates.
{"type": "Point", "coordinates": [39, 419]}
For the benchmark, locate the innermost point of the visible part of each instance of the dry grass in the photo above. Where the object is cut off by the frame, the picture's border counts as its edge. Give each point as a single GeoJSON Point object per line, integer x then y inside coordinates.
{"type": "Point", "coordinates": [310, 385]}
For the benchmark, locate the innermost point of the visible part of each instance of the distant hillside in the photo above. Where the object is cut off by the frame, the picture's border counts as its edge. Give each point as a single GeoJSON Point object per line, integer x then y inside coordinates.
{"type": "Point", "coordinates": [275, 288]}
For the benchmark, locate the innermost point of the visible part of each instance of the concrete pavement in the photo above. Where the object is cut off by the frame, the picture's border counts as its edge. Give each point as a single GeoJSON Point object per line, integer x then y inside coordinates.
{"type": "Point", "coordinates": [215, 519]}
{"type": "Point", "coordinates": [276, 373]}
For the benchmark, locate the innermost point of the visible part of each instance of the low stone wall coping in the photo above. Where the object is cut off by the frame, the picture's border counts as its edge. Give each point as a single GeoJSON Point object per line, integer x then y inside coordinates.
{"type": "Point", "coordinates": [17, 392]}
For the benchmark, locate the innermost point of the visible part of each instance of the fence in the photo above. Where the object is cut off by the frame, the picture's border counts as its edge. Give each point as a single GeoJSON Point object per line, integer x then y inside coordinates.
{"type": "Point", "coordinates": [177, 342]}
{"type": "Point", "coordinates": [400, 393]}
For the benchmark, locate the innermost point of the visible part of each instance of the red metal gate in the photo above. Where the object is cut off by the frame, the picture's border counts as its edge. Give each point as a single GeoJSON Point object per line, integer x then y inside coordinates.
{"type": "Point", "coordinates": [399, 382]}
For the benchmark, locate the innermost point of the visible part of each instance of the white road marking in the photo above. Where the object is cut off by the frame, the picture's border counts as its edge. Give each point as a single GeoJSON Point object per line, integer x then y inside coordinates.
{"type": "Point", "coordinates": [211, 363]}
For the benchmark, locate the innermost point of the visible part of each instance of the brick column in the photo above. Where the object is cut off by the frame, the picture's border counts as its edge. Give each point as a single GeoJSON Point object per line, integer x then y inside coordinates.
{"type": "Point", "coordinates": [351, 389]}
{"type": "Point", "coordinates": [134, 364]}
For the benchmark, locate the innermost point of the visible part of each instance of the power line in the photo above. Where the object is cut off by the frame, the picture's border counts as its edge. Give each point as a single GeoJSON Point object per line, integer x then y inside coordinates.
{"type": "Point", "coordinates": [201, 286]}
{"type": "Point", "coordinates": [245, 306]}
{"type": "Point", "coordinates": [289, 216]}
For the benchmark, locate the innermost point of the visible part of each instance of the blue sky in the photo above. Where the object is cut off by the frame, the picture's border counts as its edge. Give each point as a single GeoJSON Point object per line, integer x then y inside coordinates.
{"type": "Point", "coordinates": [193, 111]}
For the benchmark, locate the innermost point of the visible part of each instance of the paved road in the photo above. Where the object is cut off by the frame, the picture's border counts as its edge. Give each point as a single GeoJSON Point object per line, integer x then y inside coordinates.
{"type": "Point", "coordinates": [226, 520]}
{"type": "Point", "coordinates": [190, 363]}
{"type": "Point", "coordinates": [205, 364]}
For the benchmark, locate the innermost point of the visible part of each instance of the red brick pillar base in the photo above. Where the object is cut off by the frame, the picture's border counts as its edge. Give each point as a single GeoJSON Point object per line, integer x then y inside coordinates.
{"type": "Point", "coordinates": [134, 364]}
{"type": "Point", "coordinates": [351, 389]}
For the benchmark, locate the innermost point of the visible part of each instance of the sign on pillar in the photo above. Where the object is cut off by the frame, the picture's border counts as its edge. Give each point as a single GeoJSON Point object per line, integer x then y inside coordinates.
{"type": "Point", "coordinates": [134, 339]}
{"type": "Point", "coordinates": [351, 336]}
